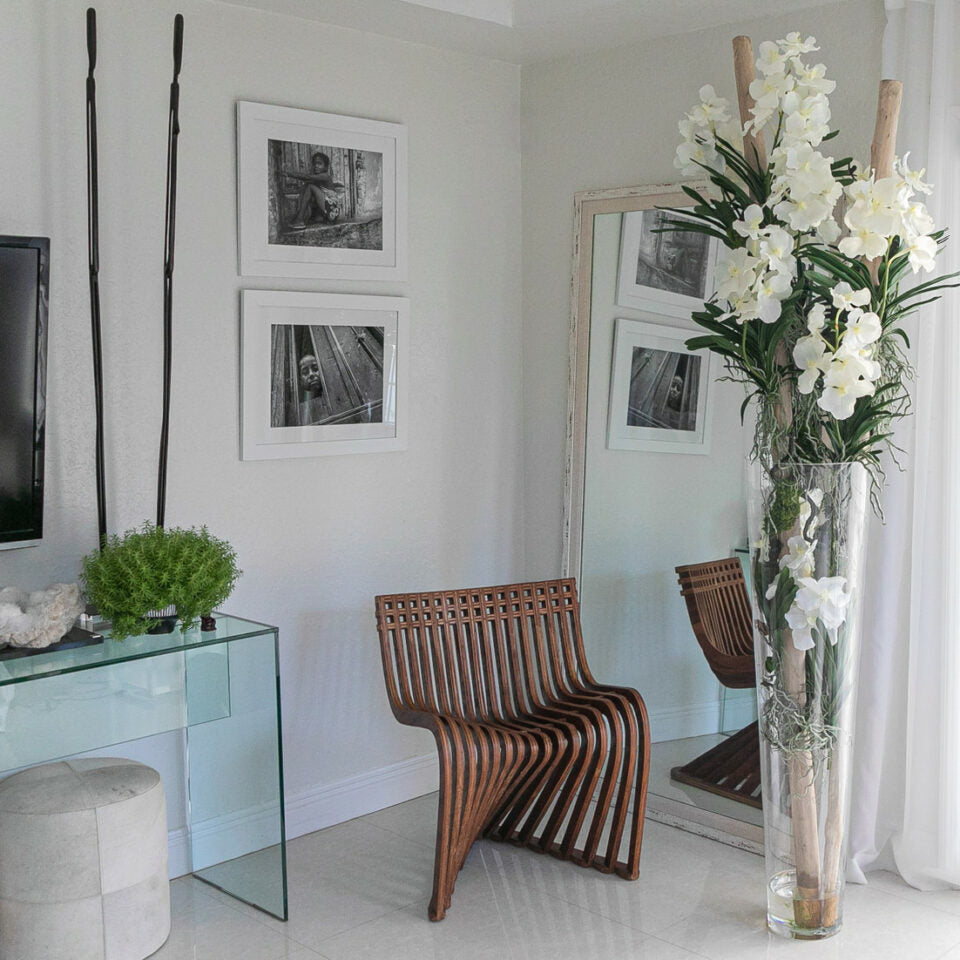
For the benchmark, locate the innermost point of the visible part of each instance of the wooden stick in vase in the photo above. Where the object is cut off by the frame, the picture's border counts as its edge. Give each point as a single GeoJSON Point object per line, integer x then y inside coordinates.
{"type": "Point", "coordinates": [884, 145]}
{"type": "Point", "coordinates": [882, 152]}
{"type": "Point", "coordinates": [799, 765]}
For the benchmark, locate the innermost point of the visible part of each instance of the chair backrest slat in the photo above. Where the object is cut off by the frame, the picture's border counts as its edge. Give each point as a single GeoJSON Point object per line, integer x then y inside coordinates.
{"type": "Point", "coordinates": [719, 608]}
{"type": "Point", "coordinates": [495, 652]}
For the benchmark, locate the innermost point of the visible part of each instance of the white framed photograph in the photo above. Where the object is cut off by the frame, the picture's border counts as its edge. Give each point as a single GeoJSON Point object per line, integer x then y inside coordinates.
{"type": "Point", "coordinates": [322, 373]}
{"type": "Point", "coordinates": [669, 272]}
{"type": "Point", "coordinates": [660, 392]}
{"type": "Point", "coordinates": [320, 195]}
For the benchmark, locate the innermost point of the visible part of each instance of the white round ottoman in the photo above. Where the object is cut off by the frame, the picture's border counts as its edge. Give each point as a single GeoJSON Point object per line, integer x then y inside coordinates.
{"type": "Point", "coordinates": [83, 862]}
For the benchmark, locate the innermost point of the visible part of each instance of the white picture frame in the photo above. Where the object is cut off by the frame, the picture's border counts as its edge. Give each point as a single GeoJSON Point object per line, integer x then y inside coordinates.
{"type": "Point", "coordinates": [667, 273]}
{"type": "Point", "coordinates": [660, 392]}
{"type": "Point", "coordinates": [347, 221]}
{"type": "Point", "coordinates": [337, 404]}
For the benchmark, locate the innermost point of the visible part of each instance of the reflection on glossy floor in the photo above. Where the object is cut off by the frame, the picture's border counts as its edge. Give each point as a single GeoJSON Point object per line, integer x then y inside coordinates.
{"type": "Point", "coordinates": [359, 891]}
{"type": "Point", "coordinates": [675, 753]}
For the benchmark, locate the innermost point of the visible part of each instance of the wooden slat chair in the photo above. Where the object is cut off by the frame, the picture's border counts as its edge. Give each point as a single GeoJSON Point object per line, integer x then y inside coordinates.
{"type": "Point", "coordinates": [719, 609]}
{"type": "Point", "coordinates": [527, 740]}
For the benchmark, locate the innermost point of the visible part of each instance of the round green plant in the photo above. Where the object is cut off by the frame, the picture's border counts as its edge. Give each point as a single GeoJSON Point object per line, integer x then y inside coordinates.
{"type": "Point", "coordinates": [150, 568]}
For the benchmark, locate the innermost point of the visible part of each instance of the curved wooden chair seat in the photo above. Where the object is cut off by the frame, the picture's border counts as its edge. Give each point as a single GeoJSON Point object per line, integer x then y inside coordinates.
{"type": "Point", "coordinates": [533, 751]}
{"type": "Point", "coordinates": [719, 609]}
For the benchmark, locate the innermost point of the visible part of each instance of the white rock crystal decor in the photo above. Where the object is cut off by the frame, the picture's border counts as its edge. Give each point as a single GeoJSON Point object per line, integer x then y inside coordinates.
{"type": "Point", "coordinates": [40, 618]}
{"type": "Point", "coordinates": [83, 862]}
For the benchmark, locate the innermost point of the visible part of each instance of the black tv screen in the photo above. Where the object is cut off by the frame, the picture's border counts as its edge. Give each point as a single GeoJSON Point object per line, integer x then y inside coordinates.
{"type": "Point", "coordinates": [24, 279]}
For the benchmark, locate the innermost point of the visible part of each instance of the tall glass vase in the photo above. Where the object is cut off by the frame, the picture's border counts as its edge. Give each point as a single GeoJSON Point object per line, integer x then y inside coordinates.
{"type": "Point", "coordinates": [807, 524]}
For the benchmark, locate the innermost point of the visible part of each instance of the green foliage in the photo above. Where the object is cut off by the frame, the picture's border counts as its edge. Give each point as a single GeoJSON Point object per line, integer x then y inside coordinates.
{"type": "Point", "coordinates": [150, 568]}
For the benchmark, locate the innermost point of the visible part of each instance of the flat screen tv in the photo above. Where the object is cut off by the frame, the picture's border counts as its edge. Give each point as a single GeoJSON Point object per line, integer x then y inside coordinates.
{"type": "Point", "coordinates": [24, 285]}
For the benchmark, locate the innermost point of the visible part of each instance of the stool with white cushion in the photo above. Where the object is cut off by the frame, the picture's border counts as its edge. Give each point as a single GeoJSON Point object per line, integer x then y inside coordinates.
{"type": "Point", "coordinates": [83, 862]}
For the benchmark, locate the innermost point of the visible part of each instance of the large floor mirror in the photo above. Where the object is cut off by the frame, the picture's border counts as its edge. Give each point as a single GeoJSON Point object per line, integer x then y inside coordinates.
{"type": "Point", "coordinates": [654, 482]}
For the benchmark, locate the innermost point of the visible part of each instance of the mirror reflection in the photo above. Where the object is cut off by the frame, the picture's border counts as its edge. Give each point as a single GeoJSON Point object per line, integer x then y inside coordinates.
{"type": "Point", "coordinates": [659, 485]}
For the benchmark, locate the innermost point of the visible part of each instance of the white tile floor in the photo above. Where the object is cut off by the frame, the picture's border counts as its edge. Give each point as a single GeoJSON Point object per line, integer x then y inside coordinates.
{"type": "Point", "coordinates": [359, 891]}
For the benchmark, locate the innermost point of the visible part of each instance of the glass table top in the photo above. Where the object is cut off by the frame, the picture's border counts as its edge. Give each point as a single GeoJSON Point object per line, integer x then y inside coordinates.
{"type": "Point", "coordinates": [133, 648]}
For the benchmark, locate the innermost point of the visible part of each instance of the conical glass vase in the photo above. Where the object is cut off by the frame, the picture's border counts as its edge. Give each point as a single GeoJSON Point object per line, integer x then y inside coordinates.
{"type": "Point", "coordinates": [807, 524]}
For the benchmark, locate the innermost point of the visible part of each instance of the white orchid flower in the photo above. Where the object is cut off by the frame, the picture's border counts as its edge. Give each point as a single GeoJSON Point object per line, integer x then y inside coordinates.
{"type": "Point", "coordinates": [772, 288]}
{"type": "Point", "coordinates": [711, 109]}
{"type": "Point", "coordinates": [799, 557]}
{"type": "Point", "coordinates": [842, 390]}
{"type": "Point", "coordinates": [771, 590]}
{"type": "Point", "coordinates": [917, 220]}
{"type": "Point", "coordinates": [771, 60]}
{"type": "Point", "coordinates": [768, 90]}
{"type": "Point", "coordinates": [793, 46]}
{"type": "Point", "coordinates": [824, 599]}
{"type": "Point", "coordinates": [922, 253]}
{"type": "Point", "coordinates": [914, 178]}
{"type": "Point", "coordinates": [816, 318]}
{"type": "Point", "coordinates": [804, 213]}
{"type": "Point", "coordinates": [808, 355]}
{"type": "Point", "coordinates": [735, 273]}
{"type": "Point", "coordinates": [861, 330]}
{"type": "Point", "coordinates": [828, 232]}
{"type": "Point", "coordinates": [864, 243]}
{"type": "Point", "coordinates": [801, 624]}
{"type": "Point", "coordinates": [751, 223]}
{"type": "Point", "coordinates": [845, 297]}
{"type": "Point", "coordinates": [776, 247]}
{"type": "Point", "coordinates": [693, 155]}
{"type": "Point", "coordinates": [813, 79]}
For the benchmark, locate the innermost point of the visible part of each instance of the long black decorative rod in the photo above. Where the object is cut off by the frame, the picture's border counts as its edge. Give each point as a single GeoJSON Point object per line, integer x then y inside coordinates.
{"type": "Point", "coordinates": [173, 132]}
{"type": "Point", "coordinates": [93, 250]}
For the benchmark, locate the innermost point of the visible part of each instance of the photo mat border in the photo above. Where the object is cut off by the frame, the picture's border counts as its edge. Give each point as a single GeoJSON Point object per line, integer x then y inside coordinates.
{"type": "Point", "coordinates": [656, 336]}
{"type": "Point", "coordinates": [255, 379]}
{"type": "Point", "coordinates": [259, 122]}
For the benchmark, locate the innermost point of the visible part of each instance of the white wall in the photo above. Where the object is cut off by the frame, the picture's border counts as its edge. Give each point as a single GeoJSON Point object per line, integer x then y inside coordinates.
{"type": "Point", "coordinates": [317, 538]}
{"type": "Point", "coordinates": [610, 120]}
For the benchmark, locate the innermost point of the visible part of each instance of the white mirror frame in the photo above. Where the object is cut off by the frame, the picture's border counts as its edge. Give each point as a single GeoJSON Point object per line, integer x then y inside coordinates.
{"type": "Point", "coordinates": [587, 205]}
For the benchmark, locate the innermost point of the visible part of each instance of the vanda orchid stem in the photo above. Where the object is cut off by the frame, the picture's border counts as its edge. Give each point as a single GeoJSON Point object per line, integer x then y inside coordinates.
{"type": "Point", "coordinates": [807, 314]}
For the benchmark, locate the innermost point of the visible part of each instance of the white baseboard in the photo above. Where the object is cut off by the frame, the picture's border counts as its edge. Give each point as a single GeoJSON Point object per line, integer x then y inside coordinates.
{"type": "Point", "coordinates": [690, 720]}
{"type": "Point", "coordinates": [697, 719]}
{"type": "Point", "coordinates": [356, 796]}
{"type": "Point", "coordinates": [312, 809]}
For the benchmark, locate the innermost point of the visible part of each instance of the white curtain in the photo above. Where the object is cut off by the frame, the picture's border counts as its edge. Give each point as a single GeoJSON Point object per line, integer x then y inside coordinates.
{"type": "Point", "coordinates": [906, 795]}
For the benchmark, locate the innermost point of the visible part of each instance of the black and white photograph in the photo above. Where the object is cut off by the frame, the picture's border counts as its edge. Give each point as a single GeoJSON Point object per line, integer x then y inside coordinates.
{"type": "Point", "coordinates": [659, 390]}
{"type": "Point", "coordinates": [663, 389]}
{"type": "Point", "coordinates": [322, 373]}
{"type": "Point", "coordinates": [323, 196]}
{"type": "Point", "coordinates": [664, 270]}
{"type": "Point", "coordinates": [320, 196]}
{"type": "Point", "coordinates": [325, 374]}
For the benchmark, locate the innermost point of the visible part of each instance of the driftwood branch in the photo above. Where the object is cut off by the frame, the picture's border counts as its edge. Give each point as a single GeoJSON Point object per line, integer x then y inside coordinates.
{"type": "Point", "coordinates": [884, 145]}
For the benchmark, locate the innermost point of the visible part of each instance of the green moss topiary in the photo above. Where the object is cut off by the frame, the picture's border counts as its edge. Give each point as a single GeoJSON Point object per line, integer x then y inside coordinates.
{"type": "Point", "coordinates": [150, 568]}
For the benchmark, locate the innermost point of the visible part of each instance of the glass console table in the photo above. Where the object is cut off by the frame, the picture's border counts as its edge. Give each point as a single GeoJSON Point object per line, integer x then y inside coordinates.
{"type": "Point", "coordinates": [220, 688]}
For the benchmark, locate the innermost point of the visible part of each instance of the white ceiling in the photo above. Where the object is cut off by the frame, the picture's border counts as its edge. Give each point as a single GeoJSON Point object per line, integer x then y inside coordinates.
{"type": "Point", "coordinates": [522, 31]}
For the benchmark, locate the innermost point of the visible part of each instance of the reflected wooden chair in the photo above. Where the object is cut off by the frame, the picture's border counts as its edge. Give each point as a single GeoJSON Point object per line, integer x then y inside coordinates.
{"type": "Point", "coordinates": [719, 609]}
{"type": "Point", "coordinates": [533, 751]}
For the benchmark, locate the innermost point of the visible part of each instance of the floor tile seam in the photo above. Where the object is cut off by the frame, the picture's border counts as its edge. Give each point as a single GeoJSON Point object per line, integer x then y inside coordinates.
{"type": "Point", "coordinates": [652, 936]}
{"type": "Point", "coordinates": [403, 836]}
{"type": "Point", "coordinates": [350, 929]}
{"type": "Point", "coordinates": [946, 952]}
{"type": "Point", "coordinates": [365, 923]}
{"type": "Point", "coordinates": [912, 900]}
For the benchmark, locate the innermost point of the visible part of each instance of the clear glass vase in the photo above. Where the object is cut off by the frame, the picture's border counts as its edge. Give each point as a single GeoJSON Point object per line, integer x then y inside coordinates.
{"type": "Point", "coordinates": [807, 524]}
